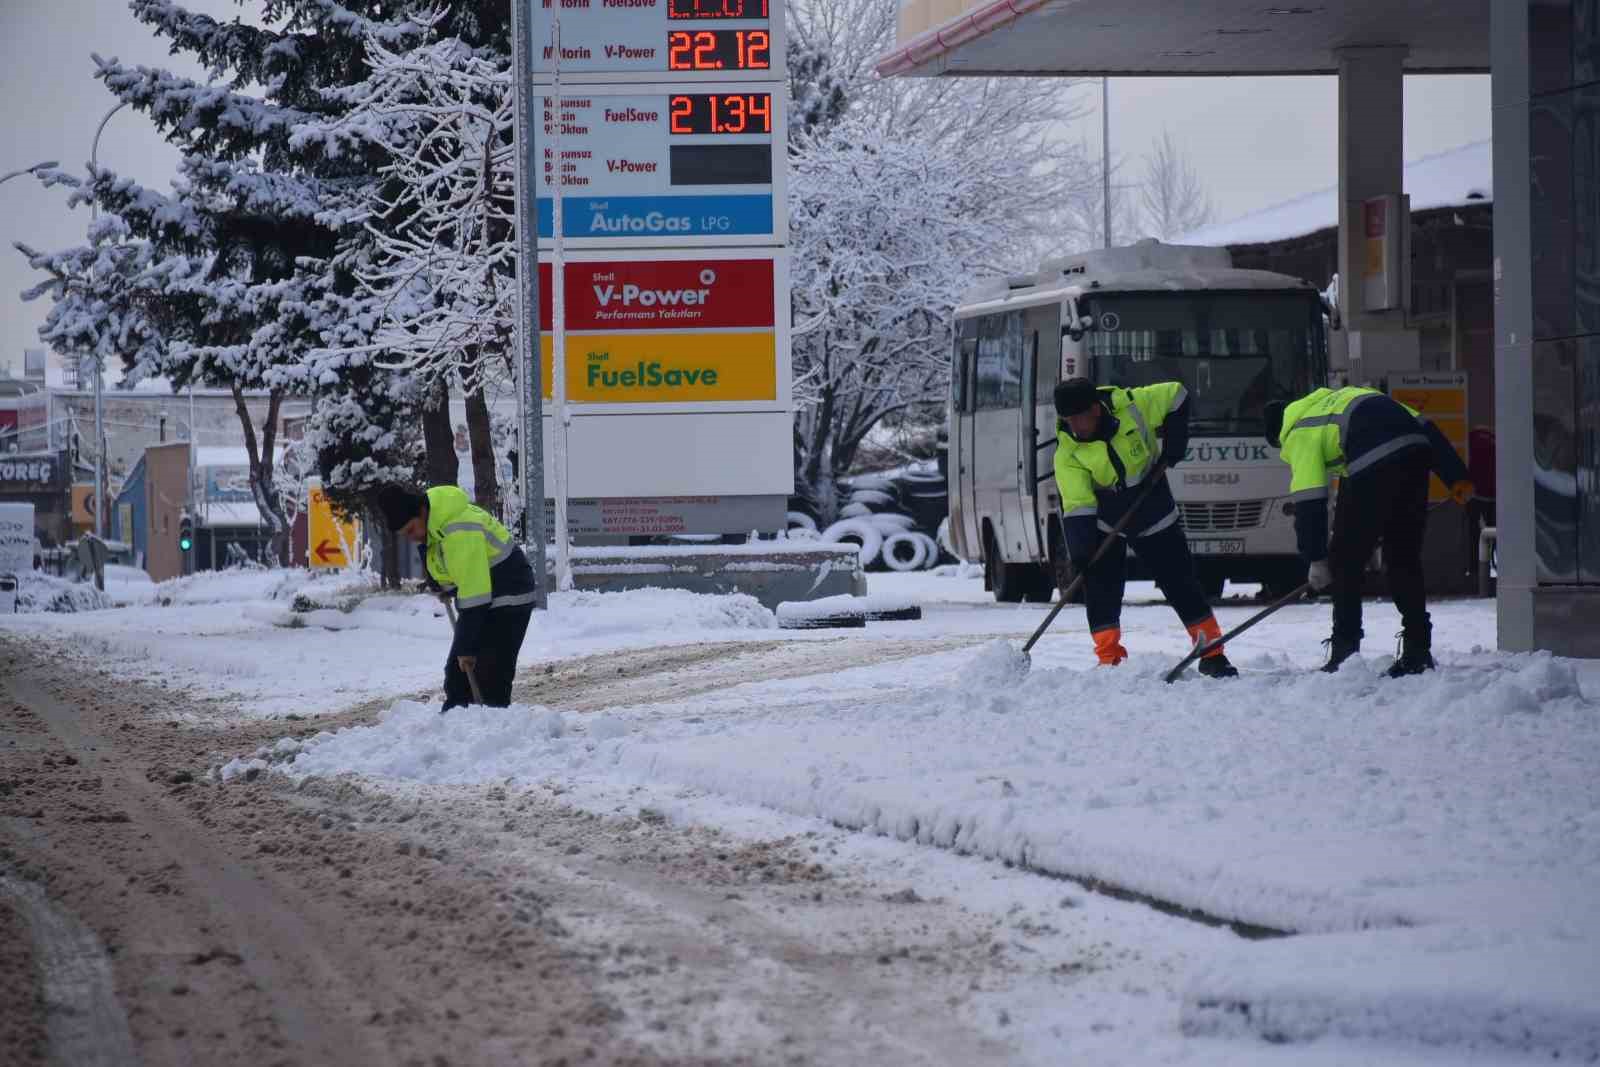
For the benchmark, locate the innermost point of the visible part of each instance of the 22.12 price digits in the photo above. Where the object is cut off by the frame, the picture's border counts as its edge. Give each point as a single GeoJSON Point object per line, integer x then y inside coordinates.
{"type": "Point", "coordinates": [721, 113]}
{"type": "Point", "coordinates": [719, 50]}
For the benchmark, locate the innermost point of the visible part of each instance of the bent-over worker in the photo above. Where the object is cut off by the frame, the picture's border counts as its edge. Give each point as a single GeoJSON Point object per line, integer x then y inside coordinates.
{"type": "Point", "coordinates": [1105, 450]}
{"type": "Point", "coordinates": [473, 557]}
{"type": "Point", "coordinates": [1382, 451]}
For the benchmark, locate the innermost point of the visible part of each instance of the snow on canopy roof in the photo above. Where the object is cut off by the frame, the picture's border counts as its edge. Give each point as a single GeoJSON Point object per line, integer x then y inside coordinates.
{"type": "Point", "coordinates": [1140, 267]}
{"type": "Point", "coordinates": [217, 513]}
{"type": "Point", "coordinates": [221, 456]}
{"type": "Point", "coordinates": [1455, 178]}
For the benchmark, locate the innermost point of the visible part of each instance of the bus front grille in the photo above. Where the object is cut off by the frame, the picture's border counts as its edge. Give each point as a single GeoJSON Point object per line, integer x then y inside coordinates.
{"type": "Point", "coordinates": [1202, 517]}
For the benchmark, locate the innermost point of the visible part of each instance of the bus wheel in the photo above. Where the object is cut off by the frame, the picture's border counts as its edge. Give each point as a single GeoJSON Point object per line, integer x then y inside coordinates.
{"type": "Point", "coordinates": [1006, 580]}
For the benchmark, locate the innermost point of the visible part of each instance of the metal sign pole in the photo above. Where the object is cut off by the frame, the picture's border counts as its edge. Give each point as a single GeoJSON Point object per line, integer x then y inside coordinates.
{"type": "Point", "coordinates": [558, 325]}
{"type": "Point", "coordinates": [530, 399]}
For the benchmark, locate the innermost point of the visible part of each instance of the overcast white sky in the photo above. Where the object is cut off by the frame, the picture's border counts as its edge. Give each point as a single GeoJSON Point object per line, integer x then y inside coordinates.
{"type": "Point", "coordinates": [1254, 141]}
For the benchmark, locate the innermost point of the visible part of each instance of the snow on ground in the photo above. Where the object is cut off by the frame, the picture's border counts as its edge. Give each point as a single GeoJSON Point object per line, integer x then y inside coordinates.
{"type": "Point", "coordinates": [237, 635]}
{"type": "Point", "coordinates": [1441, 834]}
{"type": "Point", "coordinates": [1434, 842]}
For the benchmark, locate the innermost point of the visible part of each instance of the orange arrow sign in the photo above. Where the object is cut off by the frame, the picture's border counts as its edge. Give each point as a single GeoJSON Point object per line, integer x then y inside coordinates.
{"type": "Point", "coordinates": [326, 551]}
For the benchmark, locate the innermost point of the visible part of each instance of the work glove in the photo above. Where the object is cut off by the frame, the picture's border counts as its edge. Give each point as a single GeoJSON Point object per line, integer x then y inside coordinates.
{"type": "Point", "coordinates": [1320, 575]}
{"type": "Point", "coordinates": [1462, 492]}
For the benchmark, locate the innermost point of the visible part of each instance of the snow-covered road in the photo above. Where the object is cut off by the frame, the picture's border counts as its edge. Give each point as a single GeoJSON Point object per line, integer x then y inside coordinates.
{"type": "Point", "coordinates": [1432, 842]}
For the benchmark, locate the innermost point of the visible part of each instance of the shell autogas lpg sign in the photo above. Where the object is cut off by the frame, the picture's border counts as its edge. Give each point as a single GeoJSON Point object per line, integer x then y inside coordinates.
{"type": "Point", "coordinates": [669, 331]}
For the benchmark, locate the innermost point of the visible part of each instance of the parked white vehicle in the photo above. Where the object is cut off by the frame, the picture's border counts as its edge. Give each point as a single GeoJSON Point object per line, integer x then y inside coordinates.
{"type": "Point", "coordinates": [1130, 316]}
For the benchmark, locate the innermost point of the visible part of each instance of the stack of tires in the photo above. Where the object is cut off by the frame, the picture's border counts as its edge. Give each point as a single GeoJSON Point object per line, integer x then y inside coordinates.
{"type": "Point", "coordinates": [890, 524]}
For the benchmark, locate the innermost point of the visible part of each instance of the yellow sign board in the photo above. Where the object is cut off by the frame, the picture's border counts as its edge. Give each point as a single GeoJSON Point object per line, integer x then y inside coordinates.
{"type": "Point", "coordinates": [667, 368]}
{"type": "Point", "coordinates": [329, 539]}
{"type": "Point", "coordinates": [1441, 398]}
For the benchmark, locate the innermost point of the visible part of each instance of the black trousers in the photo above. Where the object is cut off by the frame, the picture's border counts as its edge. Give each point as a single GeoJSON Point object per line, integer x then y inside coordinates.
{"type": "Point", "coordinates": [1389, 505]}
{"type": "Point", "coordinates": [1166, 553]}
{"type": "Point", "coordinates": [497, 660]}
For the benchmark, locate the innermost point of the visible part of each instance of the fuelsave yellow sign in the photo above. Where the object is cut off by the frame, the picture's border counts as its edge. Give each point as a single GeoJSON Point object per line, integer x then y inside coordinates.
{"type": "Point", "coordinates": [667, 331]}
{"type": "Point", "coordinates": [667, 367]}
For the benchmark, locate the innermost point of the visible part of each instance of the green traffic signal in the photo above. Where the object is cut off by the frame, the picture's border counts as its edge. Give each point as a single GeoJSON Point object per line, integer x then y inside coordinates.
{"type": "Point", "coordinates": [185, 543]}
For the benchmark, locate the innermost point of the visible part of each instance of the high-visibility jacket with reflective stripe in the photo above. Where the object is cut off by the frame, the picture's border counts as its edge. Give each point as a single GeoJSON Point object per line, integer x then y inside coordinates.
{"type": "Point", "coordinates": [1343, 433]}
{"type": "Point", "coordinates": [473, 555]}
{"type": "Point", "coordinates": [1100, 478]}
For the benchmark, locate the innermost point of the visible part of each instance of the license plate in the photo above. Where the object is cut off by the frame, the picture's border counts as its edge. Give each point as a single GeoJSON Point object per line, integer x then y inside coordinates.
{"type": "Point", "coordinates": [1234, 547]}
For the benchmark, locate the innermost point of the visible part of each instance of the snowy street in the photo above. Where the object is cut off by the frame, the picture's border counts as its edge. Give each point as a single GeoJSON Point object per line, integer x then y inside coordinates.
{"type": "Point", "coordinates": [696, 838]}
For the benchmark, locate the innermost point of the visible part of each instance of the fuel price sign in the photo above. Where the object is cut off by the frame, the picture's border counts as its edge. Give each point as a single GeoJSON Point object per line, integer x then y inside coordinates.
{"type": "Point", "coordinates": [664, 167]}
{"type": "Point", "coordinates": [644, 39]}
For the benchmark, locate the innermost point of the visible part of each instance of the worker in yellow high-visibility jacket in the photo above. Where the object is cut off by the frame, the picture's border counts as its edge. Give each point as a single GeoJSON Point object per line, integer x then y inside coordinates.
{"type": "Point", "coordinates": [1382, 452]}
{"type": "Point", "coordinates": [1106, 449]}
{"type": "Point", "coordinates": [472, 557]}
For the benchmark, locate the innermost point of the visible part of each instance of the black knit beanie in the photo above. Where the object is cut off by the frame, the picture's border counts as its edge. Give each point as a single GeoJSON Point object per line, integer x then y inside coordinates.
{"type": "Point", "coordinates": [1075, 396]}
{"type": "Point", "coordinates": [399, 505]}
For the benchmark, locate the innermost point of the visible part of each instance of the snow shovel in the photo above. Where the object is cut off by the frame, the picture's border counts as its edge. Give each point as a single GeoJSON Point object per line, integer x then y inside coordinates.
{"type": "Point", "coordinates": [472, 676]}
{"type": "Point", "coordinates": [1156, 475]}
{"type": "Point", "coordinates": [1202, 648]}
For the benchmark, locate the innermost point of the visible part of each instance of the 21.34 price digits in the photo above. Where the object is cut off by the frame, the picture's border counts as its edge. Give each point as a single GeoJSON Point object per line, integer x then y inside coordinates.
{"type": "Point", "coordinates": [721, 113]}
{"type": "Point", "coordinates": [719, 50]}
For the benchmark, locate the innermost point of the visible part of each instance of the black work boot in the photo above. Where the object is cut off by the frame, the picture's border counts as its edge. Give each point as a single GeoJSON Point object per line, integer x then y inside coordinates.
{"type": "Point", "coordinates": [1217, 667]}
{"type": "Point", "coordinates": [1415, 652]}
{"type": "Point", "coordinates": [1339, 650]}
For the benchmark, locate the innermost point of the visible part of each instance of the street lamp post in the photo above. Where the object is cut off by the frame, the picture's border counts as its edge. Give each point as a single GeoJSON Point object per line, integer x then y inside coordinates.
{"type": "Point", "coordinates": [36, 168]}
{"type": "Point", "coordinates": [100, 508]}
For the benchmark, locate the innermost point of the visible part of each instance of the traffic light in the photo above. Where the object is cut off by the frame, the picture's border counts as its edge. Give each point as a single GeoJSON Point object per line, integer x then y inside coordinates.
{"type": "Point", "coordinates": [185, 532]}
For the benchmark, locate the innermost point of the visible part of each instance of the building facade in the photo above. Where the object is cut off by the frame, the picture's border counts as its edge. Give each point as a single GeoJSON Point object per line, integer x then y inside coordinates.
{"type": "Point", "coordinates": [1546, 62]}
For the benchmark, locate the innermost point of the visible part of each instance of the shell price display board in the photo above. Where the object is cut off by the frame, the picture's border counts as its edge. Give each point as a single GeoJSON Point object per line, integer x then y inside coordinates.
{"type": "Point", "coordinates": [661, 125]}
{"type": "Point", "coordinates": [664, 168]}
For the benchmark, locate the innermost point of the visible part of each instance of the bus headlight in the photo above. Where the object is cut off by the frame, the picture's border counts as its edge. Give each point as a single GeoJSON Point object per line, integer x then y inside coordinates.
{"type": "Point", "coordinates": [1288, 508]}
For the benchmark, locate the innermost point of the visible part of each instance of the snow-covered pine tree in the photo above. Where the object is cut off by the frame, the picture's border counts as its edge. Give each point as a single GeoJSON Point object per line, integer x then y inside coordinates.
{"type": "Point", "coordinates": [246, 216]}
{"type": "Point", "coordinates": [100, 294]}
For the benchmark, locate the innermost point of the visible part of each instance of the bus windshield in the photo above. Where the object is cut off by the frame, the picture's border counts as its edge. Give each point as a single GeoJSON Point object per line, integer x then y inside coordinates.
{"type": "Point", "coordinates": [1233, 351]}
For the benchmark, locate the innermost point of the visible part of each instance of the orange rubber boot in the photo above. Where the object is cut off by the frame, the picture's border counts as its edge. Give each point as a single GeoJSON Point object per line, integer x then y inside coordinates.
{"type": "Point", "coordinates": [1206, 630]}
{"type": "Point", "coordinates": [1108, 647]}
{"type": "Point", "coordinates": [1213, 664]}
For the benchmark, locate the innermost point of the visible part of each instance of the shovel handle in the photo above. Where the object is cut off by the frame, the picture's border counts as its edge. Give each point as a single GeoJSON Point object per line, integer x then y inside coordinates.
{"type": "Point", "coordinates": [472, 676]}
{"type": "Point", "coordinates": [1206, 646]}
{"type": "Point", "coordinates": [1156, 474]}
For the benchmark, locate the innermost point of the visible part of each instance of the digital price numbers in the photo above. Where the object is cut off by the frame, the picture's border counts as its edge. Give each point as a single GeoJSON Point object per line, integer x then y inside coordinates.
{"type": "Point", "coordinates": [730, 113]}
{"type": "Point", "coordinates": [717, 9]}
{"type": "Point", "coordinates": [719, 50]}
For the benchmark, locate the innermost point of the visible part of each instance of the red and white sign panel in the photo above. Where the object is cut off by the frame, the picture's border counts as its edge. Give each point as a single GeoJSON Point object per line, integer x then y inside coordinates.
{"type": "Point", "coordinates": [683, 294]}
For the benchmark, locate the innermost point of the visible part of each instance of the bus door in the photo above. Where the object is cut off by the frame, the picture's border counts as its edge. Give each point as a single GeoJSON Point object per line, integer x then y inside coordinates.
{"type": "Point", "coordinates": [963, 504]}
{"type": "Point", "coordinates": [997, 424]}
{"type": "Point", "coordinates": [1041, 351]}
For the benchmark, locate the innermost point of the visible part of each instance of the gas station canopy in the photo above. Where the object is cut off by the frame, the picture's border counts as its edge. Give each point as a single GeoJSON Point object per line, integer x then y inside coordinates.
{"type": "Point", "coordinates": [1187, 38]}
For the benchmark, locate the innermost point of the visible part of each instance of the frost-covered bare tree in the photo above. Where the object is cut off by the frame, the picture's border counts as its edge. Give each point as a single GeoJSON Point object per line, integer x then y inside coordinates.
{"type": "Point", "coordinates": [1174, 198]}
{"type": "Point", "coordinates": [903, 194]}
{"type": "Point", "coordinates": [440, 274]}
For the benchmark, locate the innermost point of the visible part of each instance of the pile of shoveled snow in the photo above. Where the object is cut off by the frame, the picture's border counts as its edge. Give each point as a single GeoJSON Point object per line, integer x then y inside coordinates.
{"type": "Point", "coordinates": [1435, 840]}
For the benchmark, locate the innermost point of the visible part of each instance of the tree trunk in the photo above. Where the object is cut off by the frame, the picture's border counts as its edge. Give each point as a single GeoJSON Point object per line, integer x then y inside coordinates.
{"type": "Point", "coordinates": [261, 463]}
{"type": "Point", "coordinates": [485, 479]}
{"type": "Point", "coordinates": [438, 439]}
{"type": "Point", "coordinates": [391, 556]}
